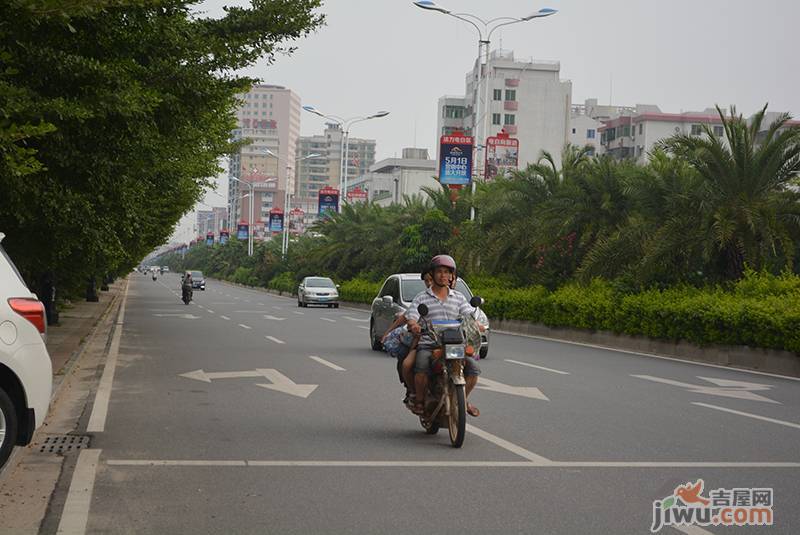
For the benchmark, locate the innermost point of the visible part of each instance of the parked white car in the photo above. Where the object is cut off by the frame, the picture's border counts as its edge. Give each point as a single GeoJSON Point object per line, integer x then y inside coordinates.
{"type": "Point", "coordinates": [26, 374]}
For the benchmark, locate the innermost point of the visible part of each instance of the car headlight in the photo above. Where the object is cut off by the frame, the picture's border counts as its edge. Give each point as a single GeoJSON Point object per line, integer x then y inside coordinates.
{"type": "Point", "coordinates": [454, 352]}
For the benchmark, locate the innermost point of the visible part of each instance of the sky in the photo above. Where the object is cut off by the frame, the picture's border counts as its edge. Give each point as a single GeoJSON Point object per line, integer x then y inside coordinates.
{"type": "Point", "coordinates": [682, 55]}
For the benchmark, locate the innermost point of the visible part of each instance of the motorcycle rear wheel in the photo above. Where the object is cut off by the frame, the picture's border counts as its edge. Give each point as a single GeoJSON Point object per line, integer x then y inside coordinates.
{"type": "Point", "coordinates": [457, 415]}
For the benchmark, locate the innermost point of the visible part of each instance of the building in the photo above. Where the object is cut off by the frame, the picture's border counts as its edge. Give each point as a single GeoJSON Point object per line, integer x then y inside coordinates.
{"type": "Point", "coordinates": [212, 220]}
{"type": "Point", "coordinates": [314, 174]}
{"type": "Point", "coordinates": [269, 118]}
{"type": "Point", "coordinates": [527, 99]}
{"type": "Point", "coordinates": [586, 120]}
{"type": "Point", "coordinates": [390, 180]}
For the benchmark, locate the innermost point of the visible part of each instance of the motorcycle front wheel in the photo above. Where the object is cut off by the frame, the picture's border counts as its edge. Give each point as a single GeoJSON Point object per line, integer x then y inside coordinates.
{"type": "Point", "coordinates": [457, 415]}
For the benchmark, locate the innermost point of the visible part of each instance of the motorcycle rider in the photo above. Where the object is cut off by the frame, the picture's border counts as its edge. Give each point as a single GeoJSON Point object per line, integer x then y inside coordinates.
{"type": "Point", "coordinates": [186, 286]}
{"type": "Point", "coordinates": [443, 303]}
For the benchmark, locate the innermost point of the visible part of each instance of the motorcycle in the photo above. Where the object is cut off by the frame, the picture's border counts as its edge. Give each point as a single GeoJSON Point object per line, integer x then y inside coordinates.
{"type": "Point", "coordinates": [445, 402]}
{"type": "Point", "coordinates": [187, 295]}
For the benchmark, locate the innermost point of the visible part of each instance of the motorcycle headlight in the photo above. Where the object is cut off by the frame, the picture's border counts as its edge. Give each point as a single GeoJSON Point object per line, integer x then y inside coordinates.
{"type": "Point", "coordinates": [454, 352]}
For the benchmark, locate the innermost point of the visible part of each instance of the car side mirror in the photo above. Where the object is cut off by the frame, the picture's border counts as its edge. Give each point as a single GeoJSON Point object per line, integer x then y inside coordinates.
{"type": "Point", "coordinates": [338, 285]}
{"type": "Point", "coordinates": [388, 300]}
{"type": "Point", "coordinates": [476, 301]}
{"type": "Point", "coordinates": [422, 308]}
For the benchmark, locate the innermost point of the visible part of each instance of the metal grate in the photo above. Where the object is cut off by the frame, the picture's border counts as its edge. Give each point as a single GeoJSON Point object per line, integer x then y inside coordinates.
{"type": "Point", "coordinates": [61, 444]}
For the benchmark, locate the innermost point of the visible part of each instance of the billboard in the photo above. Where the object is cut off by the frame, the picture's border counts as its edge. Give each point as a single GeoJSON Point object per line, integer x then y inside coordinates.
{"type": "Point", "coordinates": [224, 236]}
{"type": "Point", "coordinates": [242, 231]}
{"type": "Point", "coordinates": [357, 195]}
{"type": "Point", "coordinates": [502, 153]}
{"type": "Point", "coordinates": [276, 220]}
{"type": "Point", "coordinates": [328, 200]}
{"type": "Point", "coordinates": [210, 238]}
{"type": "Point", "coordinates": [455, 160]}
{"type": "Point", "coordinates": [296, 221]}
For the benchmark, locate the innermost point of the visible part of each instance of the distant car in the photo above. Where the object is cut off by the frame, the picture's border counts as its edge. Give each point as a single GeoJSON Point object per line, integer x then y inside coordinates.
{"type": "Point", "coordinates": [198, 280]}
{"type": "Point", "coordinates": [318, 291]}
{"type": "Point", "coordinates": [165, 269]}
{"type": "Point", "coordinates": [26, 375]}
{"type": "Point", "coordinates": [396, 295]}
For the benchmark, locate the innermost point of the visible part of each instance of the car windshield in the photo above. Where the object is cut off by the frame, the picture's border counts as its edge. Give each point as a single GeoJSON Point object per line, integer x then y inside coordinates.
{"type": "Point", "coordinates": [320, 283]}
{"type": "Point", "coordinates": [197, 274]}
{"type": "Point", "coordinates": [411, 287]}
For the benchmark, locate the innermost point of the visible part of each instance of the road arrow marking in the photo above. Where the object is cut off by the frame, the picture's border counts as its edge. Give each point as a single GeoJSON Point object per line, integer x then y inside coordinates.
{"type": "Point", "coordinates": [182, 316]}
{"type": "Point", "coordinates": [268, 317]}
{"type": "Point", "coordinates": [274, 339]}
{"type": "Point", "coordinates": [726, 388]}
{"type": "Point", "coordinates": [524, 391]}
{"type": "Point", "coordinates": [281, 383]}
{"type": "Point", "coordinates": [206, 377]}
{"type": "Point", "coordinates": [355, 319]}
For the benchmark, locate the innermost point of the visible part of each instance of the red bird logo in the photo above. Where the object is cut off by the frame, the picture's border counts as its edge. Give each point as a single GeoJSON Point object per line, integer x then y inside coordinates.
{"type": "Point", "coordinates": [691, 493]}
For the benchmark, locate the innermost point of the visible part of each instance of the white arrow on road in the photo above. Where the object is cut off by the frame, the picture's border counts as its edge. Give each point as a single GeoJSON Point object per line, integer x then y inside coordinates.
{"type": "Point", "coordinates": [725, 388]}
{"type": "Point", "coordinates": [183, 316]}
{"type": "Point", "coordinates": [268, 317]}
{"type": "Point", "coordinates": [524, 391]}
{"type": "Point", "coordinates": [280, 382]}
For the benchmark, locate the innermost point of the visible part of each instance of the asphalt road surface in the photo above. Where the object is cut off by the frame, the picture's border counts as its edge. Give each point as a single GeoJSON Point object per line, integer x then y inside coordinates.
{"type": "Point", "coordinates": [242, 413]}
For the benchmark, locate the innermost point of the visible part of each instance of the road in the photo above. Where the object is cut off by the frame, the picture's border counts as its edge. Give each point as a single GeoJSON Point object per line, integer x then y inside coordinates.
{"type": "Point", "coordinates": [242, 413]}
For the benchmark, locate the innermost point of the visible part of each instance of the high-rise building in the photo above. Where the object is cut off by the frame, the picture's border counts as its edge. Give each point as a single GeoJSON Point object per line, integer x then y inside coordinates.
{"type": "Point", "coordinates": [269, 118]}
{"type": "Point", "coordinates": [314, 174]}
{"type": "Point", "coordinates": [390, 180]}
{"type": "Point", "coordinates": [526, 99]}
{"type": "Point", "coordinates": [212, 220]}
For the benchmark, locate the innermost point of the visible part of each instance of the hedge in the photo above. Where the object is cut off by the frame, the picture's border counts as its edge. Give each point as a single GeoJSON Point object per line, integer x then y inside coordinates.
{"type": "Point", "coordinates": [761, 310]}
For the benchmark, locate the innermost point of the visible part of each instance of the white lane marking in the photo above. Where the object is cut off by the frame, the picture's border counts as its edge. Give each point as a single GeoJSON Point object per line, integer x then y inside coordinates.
{"type": "Point", "coordinates": [273, 318]}
{"type": "Point", "coordinates": [362, 327]}
{"type": "Point", "coordinates": [537, 367]}
{"type": "Point", "coordinates": [328, 319]}
{"type": "Point", "coordinates": [458, 464]}
{"type": "Point", "coordinates": [182, 316]}
{"type": "Point", "coordinates": [97, 421]}
{"type": "Point", "coordinates": [249, 311]}
{"type": "Point", "coordinates": [201, 306]}
{"type": "Point", "coordinates": [640, 354]}
{"type": "Point", "coordinates": [222, 303]}
{"type": "Point", "coordinates": [726, 388]}
{"type": "Point", "coordinates": [355, 319]}
{"type": "Point", "coordinates": [261, 304]}
{"type": "Point", "coordinates": [243, 326]}
{"type": "Point", "coordinates": [328, 364]}
{"type": "Point", "coordinates": [749, 415]}
{"type": "Point", "coordinates": [506, 445]}
{"type": "Point", "coordinates": [75, 515]}
{"type": "Point", "coordinates": [210, 311]}
{"type": "Point", "coordinates": [277, 308]}
{"type": "Point", "coordinates": [523, 391]}
{"type": "Point", "coordinates": [225, 317]}
{"type": "Point", "coordinates": [274, 339]}
{"type": "Point", "coordinates": [299, 313]}
{"type": "Point", "coordinates": [692, 530]}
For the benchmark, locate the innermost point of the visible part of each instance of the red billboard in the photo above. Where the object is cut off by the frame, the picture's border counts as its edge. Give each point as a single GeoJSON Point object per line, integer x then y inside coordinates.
{"type": "Point", "coordinates": [502, 153]}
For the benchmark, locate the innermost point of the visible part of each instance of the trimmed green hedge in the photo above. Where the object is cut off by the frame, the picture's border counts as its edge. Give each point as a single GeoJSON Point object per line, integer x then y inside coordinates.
{"type": "Point", "coordinates": [284, 282]}
{"type": "Point", "coordinates": [761, 310]}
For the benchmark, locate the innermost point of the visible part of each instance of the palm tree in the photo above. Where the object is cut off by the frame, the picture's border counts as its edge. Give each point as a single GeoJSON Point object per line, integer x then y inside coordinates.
{"type": "Point", "coordinates": [750, 215]}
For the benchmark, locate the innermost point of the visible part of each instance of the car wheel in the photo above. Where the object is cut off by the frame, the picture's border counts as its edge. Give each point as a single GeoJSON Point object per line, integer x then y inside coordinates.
{"type": "Point", "coordinates": [330, 306]}
{"type": "Point", "coordinates": [484, 352]}
{"type": "Point", "coordinates": [336, 305]}
{"type": "Point", "coordinates": [299, 304]}
{"type": "Point", "coordinates": [375, 342]}
{"type": "Point", "coordinates": [8, 427]}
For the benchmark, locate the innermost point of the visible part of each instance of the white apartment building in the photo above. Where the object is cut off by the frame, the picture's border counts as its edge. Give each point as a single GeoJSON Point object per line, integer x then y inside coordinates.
{"type": "Point", "coordinates": [269, 117]}
{"type": "Point", "coordinates": [586, 120]}
{"type": "Point", "coordinates": [390, 180]}
{"type": "Point", "coordinates": [527, 99]}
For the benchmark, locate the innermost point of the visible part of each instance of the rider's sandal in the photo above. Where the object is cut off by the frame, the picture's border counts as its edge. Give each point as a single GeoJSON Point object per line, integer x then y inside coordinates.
{"type": "Point", "coordinates": [418, 408]}
{"type": "Point", "coordinates": [472, 410]}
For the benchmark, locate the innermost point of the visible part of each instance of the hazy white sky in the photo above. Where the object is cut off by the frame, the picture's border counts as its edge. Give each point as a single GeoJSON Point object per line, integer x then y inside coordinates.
{"type": "Point", "coordinates": [681, 55]}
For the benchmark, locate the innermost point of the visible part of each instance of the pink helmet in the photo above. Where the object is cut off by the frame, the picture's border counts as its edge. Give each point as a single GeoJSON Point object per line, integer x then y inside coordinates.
{"type": "Point", "coordinates": [442, 260]}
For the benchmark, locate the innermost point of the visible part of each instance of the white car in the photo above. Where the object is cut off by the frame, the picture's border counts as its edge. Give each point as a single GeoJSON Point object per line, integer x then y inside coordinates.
{"type": "Point", "coordinates": [318, 291]}
{"type": "Point", "coordinates": [26, 374]}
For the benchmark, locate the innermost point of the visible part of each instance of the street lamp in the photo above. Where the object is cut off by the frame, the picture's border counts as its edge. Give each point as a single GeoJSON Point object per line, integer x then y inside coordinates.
{"type": "Point", "coordinates": [250, 218]}
{"type": "Point", "coordinates": [290, 171]}
{"type": "Point", "coordinates": [485, 32]}
{"type": "Point", "coordinates": [345, 125]}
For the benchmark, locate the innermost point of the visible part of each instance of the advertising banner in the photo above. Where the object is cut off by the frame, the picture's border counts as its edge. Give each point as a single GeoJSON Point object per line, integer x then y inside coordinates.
{"type": "Point", "coordinates": [276, 220]}
{"type": "Point", "coordinates": [242, 231]}
{"type": "Point", "coordinates": [502, 153]}
{"type": "Point", "coordinates": [357, 195]}
{"type": "Point", "coordinates": [210, 238]}
{"type": "Point", "coordinates": [328, 200]}
{"type": "Point", "coordinates": [224, 236]}
{"type": "Point", "coordinates": [455, 159]}
{"type": "Point", "coordinates": [296, 221]}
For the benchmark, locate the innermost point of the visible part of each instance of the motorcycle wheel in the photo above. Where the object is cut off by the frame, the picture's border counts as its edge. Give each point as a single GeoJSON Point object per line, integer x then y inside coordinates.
{"type": "Point", "coordinates": [457, 415]}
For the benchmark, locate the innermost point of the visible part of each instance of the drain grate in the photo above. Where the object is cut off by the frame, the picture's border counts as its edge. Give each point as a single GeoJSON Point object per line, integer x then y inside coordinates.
{"type": "Point", "coordinates": [64, 443]}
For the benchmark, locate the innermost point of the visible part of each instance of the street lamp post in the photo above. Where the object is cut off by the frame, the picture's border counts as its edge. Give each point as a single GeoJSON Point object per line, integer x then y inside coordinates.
{"type": "Point", "coordinates": [345, 125]}
{"type": "Point", "coordinates": [250, 219]}
{"type": "Point", "coordinates": [484, 38]}
{"type": "Point", "coordinates": [290, 172]}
